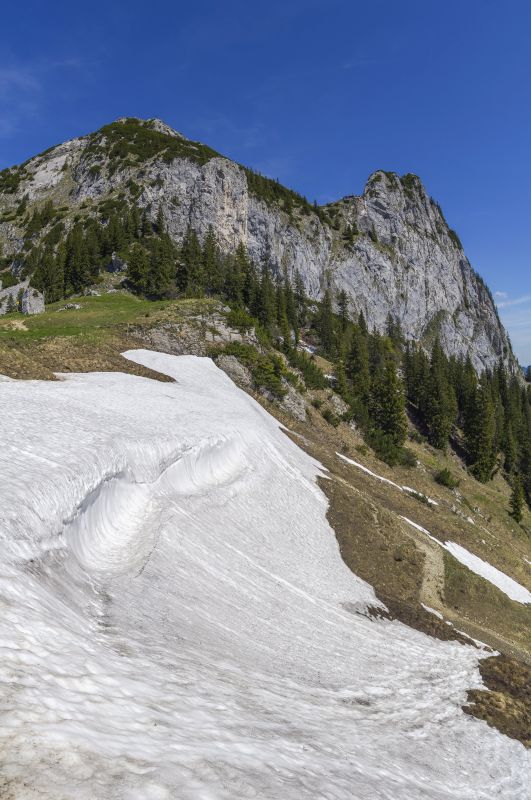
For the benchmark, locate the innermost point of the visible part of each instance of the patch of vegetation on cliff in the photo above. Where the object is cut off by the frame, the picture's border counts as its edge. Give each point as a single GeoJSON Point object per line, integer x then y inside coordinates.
{"type": "Point", "coordinates": [267, 369]}
{"type": "Point", "coordinates": [132, 138]}
{"type": "Point", "coordinates": [273, 192]}
{"type": "Point", "coordinates": [11, 178]}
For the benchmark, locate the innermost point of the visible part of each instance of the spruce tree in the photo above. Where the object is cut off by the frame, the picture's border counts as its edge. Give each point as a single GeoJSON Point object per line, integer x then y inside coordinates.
{"type": "Point", "coordinates": [161, 269]}
{"type": "Point", "coordinates": [439, 404]}
{"type": "Point", "coordinates": [342, 310]}
{"type": "Point", "coordinates": [387, 404]}
{"type": "Point", "coordinates": [301, 301]}
{"type": "Point", "coordinates": [212, 264]}
{"type": "Point", "coordinates": [325, 324]}
{"type": "Point", "coordinates": [357, 365]}
{"type": "Point", "coordinates": [517, 499]}
{"type": "Point", "coordinates": [138, 267]}
{"type": "Point", "coordinates": [266, 298]}
{"type": "Point", "coordinates": [480, 433]}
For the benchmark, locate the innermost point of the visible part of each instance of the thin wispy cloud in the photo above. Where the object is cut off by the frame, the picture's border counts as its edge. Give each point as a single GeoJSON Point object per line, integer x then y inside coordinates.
{"type": "Point", "coordinates": [24, 90]}
{"type": "Point", "coordinates": [517, 301]}
{"type": "Point", "coordinates": [19, 96]}
{"type": "Point", "coordinates": [515, 313]}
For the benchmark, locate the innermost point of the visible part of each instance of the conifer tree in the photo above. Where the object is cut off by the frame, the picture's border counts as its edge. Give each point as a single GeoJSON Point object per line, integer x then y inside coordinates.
{"type": "Point", "coordinates": [325, 324]}
{"type": "Point", "coordinates": [266, 297]}
{"type": "Point", "coordinates": [480, 433]}
{"type": "Point", "coordinates": [190, 276]}
{"type": "Point", "coordinates": [439, 404]}
{"type": "Point", "coordinates": [357, 365]}
{"type": "Point", "coordinates": [301, 301]}
{"type": "Point", "coordinates": [362, 323]}
{"type": "Point", "coordinates": [138, 267]}
{"type": "Point", "coordinates": [342, 310]}
{"type": "Point", "coordinates": [211, 258]}
{"type": "Point", "coordinates": [517, 499]}
{"type": "Point", "coordinates": [161, 269]}
{"type": "Point", "coordinates": [387, 404]}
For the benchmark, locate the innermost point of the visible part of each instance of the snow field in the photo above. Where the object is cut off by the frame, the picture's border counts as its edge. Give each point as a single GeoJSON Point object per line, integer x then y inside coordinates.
{"type": "Point", "coordinates": [176, 620]}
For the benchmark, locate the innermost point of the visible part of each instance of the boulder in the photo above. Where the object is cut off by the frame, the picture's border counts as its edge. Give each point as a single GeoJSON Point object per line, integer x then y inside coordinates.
{"type": "Point", "coordinates": [32, 301]}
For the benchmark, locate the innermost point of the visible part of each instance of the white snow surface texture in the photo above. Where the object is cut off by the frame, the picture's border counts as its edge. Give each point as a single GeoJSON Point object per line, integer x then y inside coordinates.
{"type": "Point", "coordinates": [176, 620]}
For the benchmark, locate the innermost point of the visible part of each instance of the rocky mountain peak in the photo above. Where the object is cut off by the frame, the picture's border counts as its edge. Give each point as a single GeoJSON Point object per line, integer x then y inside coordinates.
{"type": "Point", "coordinates": [389, 248]}
{"type": "Point", "coordinates": [154, 124]}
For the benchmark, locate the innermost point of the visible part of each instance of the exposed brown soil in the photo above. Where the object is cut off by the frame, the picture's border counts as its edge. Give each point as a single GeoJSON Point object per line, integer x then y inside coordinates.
{"type": "Point", "coordinates": [507, 706]}
{"type": "Point", "coordinates": [40, 359]}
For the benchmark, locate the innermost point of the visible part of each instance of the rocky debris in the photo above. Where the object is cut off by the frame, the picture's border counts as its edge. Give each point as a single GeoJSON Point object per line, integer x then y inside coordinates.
{"type": "Point", "coordinates": [69, 307]}
{"type": "Point", "coordinates": [91, 293]}
{"type": "Point", "coordinates": [32, 301]}
{"type": "Point", "coordinates": [197, 334]}
{"type": "Point", "coordinates": [21, 297]}
{"type": "Point", "coordinates": [337, 404]}
{"type": "Point", "coordinates": [10, 297]}
{"type": "Point", "coordinates": [236, 371]}
{"type": "Point", "coordinates": [294, 404]}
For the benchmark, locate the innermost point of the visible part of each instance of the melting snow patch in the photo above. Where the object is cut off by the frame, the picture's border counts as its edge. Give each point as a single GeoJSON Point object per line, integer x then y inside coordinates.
{"type": "Point", "coordinates": [432, 611]}
{"type": "Point", "coordinates": [507, 585]}
{"type": "Point", "coordinates": [406, 489]}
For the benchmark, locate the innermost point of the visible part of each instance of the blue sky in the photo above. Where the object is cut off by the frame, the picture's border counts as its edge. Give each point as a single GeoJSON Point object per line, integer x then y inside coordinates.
{"type": "Point", "coordinates": [317, 93]}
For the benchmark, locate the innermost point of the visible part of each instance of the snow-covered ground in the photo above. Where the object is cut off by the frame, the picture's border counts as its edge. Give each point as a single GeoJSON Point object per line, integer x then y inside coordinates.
{"type": "Point", "coordinates": [176, 621]}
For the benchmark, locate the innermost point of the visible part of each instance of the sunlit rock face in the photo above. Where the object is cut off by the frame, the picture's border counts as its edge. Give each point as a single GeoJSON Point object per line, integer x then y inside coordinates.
{"type": "Point", "coordinates": [390, 249]}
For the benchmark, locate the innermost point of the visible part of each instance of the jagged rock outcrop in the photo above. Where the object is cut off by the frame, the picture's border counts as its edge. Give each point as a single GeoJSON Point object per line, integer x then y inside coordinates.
{"type": "Point", "coordinates": [390, 249]}
{"type": "Point", "coordinates": [32, 301]}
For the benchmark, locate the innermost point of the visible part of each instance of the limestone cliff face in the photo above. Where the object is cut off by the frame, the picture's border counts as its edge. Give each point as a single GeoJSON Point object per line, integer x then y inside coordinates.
{"type": "Point", "coordinates": [390, 248]}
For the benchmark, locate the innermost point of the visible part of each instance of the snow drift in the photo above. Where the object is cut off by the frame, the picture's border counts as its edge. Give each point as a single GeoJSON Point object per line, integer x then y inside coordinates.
{"type": "Point", "coordinates": [176, 620]}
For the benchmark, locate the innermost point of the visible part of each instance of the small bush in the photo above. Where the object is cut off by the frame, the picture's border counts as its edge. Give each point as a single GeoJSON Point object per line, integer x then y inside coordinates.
{"type": "Point", "coordinates": [388, 451]}
{"type": "Point", "coordinates": [267, 370]}
{"type": "Point", "coordinates": [330, 417]}
{"type": "Point", "coordinates": [312, 375]}
{"type": "Point", "coordinates": [240, 319]}
{"type": "Point", "coordinates": [445, 478]}
{"type": "Point", "coordinates": [317, 402]}
{"type": "Point", "coordinates": [407, 458]}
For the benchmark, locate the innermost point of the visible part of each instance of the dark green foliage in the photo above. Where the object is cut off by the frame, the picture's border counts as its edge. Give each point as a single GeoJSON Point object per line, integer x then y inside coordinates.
{"type": "Point", "coordinates": [312, 375]}
{"type": "Point", "coordinates": [410, 184]}
{"type": "Point", "coordinates": [324, 324]}
{"type": "Point", "coordinates": [273, 193]}
{"type": "Point", "coordinates": [239, 318]}
{"type": "Point", "coordinates": [11, 178]}
{"type": "Point", "coordinates": [8, 279]}
{"type": "Point", "coordinates": [438, 403]}
{"type": "Point", "coordinates": [455, 238]}
{"type": "Point", "coordinates": [480, 432]}
{"type": "Point", "coordinates": [387, 404]}
{"type": "Point", "coordinates": [517, 499]}
{"type": "Point", "coordinates": [267, 370]}
{"type": "Point", "coordinates": [330, 417]}
{"type": "Point", "coordinates": [445, 478]}
{"type": "Point", "coordinates": [134, 138]}
{"type": "Point", "coordinates": [357, 364]}
{"type": "Point", "coordinates": [138, 267]}
{"type": "Point", "coordinates": [386, 448]}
